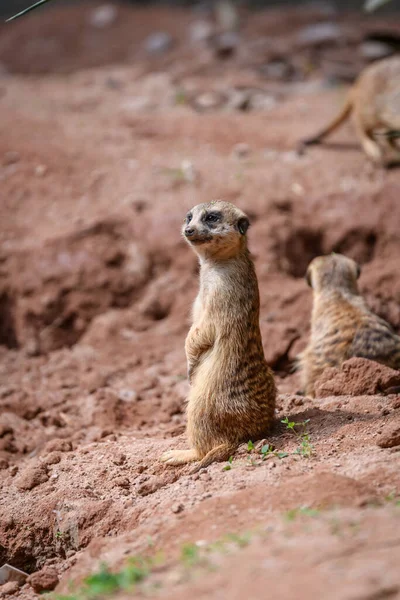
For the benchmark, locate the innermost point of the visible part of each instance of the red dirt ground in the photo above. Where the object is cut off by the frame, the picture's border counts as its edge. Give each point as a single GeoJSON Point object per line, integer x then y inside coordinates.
{"type": "Point", "coordinates": [102, 152]}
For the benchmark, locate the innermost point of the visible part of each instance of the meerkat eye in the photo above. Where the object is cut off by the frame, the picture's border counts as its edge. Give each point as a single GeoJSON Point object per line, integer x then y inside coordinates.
{"type": "Point", "coordinates": [213, 217]}
{"type": "Point", "coordinates": [189, 217]}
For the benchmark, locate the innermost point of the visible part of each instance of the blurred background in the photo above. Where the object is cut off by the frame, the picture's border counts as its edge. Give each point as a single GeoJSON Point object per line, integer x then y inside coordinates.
{"type": "Point", "coordinates": [63, 35]}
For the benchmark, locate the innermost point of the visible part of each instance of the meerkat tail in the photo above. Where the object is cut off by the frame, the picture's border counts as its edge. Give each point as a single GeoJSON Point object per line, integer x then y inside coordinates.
{"type": "Point", "coordinates": [338, 120]}
{"type": "Point", "coordinates": [218, 454]}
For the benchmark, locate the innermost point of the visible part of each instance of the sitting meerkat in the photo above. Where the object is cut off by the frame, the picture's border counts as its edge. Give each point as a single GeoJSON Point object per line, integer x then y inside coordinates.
{"type": "Point", "coordinates": [342, 325]}
{"type": "Point", "coordinates": [232, 393]}
{"type": "Point", "coordinates": [374, 100]}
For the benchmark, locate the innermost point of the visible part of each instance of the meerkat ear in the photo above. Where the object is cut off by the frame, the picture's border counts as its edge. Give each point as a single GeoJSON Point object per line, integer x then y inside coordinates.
{"type": "Point", "coordinates": [308, 277]}
{"type": "Point", "coordinates": [358, 270]}
{"type": "Point", "coordinates": [243, 225]}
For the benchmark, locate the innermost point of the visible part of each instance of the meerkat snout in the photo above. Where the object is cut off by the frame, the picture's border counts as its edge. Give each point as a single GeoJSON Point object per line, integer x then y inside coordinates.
{"type": "Point", "coordinates": [188, 232]}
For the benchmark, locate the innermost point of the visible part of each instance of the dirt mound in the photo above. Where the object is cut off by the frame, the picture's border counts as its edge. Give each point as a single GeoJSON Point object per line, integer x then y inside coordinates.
{"type": "Point", "coordinates": [97, 170]}
{"type": "Point", "coordinates": [358, 376]}
{"type": "Point", "coordinates": [53, 293]}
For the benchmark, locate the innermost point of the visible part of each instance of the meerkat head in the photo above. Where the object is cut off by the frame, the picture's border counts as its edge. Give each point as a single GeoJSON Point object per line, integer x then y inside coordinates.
{"type": "Point", "coordinates": [333, 272]}
{"type": "Point", "coordinates": [216, 230]}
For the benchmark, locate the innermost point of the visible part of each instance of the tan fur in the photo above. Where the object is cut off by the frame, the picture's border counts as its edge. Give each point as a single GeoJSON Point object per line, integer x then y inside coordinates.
{"type": "Point", "coordinates": [374, 101]}
{"type": "Point", "coordinates": [232, 395]}
{"type": "Point", "coordinates": [342, 325]}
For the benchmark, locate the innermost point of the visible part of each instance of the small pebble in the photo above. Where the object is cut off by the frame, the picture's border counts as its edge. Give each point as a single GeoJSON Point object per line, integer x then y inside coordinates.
{"type": "Point", "coordinates": [11, 587]}
{"type": "Point", "coordinates": [40, 170]}
{"type": "Point", "coordinates": [103, 16]}
{"type": "Point", "coordinates": [158, 42]}
{"type": "Point", "coordinates": [10, 158]}
{"type": "Point", "coordinates": [241, 150]}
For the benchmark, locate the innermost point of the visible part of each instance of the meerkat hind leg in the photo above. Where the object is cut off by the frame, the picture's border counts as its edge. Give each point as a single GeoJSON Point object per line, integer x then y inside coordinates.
{"type": "Point", "coordinates": [218, 454]}
{"type": "Point", "coordinates": [370, 146]}
{"type": "Point", "coordinates": [179, 457]}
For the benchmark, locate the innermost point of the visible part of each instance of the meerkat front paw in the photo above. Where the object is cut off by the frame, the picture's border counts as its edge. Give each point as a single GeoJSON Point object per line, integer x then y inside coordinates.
{"type": "Point", "coordinates": [179, 457]}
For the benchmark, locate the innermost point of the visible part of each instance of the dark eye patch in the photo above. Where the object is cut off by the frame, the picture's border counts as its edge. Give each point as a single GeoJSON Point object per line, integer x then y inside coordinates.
{"type": "Point", "coordinates": [213, 217]}
{"type": "Point", "coordinates": [189, 217]}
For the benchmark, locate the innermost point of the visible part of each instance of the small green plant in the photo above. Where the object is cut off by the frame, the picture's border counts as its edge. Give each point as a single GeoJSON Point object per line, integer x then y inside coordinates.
{"type": "Point", "coordinates": [59, 534]}
{"type": "Point", "coordinates": [267, 451]}
{"type": "Point", "coordinates": [250, 446]}
{"type": "Point", "coordinates": [105, 583]}
{"type": "Point", "coordinates": [291, 514]}
{"type": "Point", "coordinates": [228, 466]}
{"type": "Point", "coordinates": [180, 97]}
{"type": "Point", "coordinates": [393, 498]}
{"type": "Point", "coordinates": [190, 554]}
{"type": "Point", "coordinates": [240, 540]}
{"type": "Point", "coordinates": [305, 449]}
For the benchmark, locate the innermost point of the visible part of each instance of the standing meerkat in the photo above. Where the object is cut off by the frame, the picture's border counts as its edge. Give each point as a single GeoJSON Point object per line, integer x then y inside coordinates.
{"type": "Point", "coordinates": [232, 389]}
{"type": "Point", "coordinates": [342, 325]}
{"type": "Point", "coordinates": [374, 100]}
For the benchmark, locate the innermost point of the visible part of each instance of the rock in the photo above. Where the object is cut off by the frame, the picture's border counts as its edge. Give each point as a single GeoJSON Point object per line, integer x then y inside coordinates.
{"type": "Point", "coordinates": [226, 43]}
{"type": "Point", "coordinates": [356, 377]}
{"type": "Point", "coordinates": [208, 101]}
{"type": "Point", "coordinates": [239, 100]}
{"type": "Point", "coordinates": [40, 170]}
{"type": "Point", "coordinates": [150, 486]}
{"type": "Point", "coordinates": [4, 429]}
{"type": "Point", "coordinates": [11, 587]}
{"type": "Point", "coordinates": [122, 482]}
{"type": "Point", "coordinates": [241, 150]}
{"type": "Point", "coordinates": [158, 42]}
{"type": "Point", "coordinates": [226, 15]}
{"type": "Point", "coordinates": [57, 445]}
{"type": "Point", "coordinates": [390, 436]}
{"type": "Point", "coordinates": [103, 16]}
{"type": "Point", "coordinates": [32, 477]}
{"type": "Point", "coordinates": [278, 69]}
{"type": "Point", "coordinates": [10, 158]}
{"type": "Point", "coordinates": [127, 395]}
{"type": "Point", "coordinates": [319, 34]}
{"type": "Point", "coordinates": [375, 50]}
{"type": "Point", "coordinates": [3, 464]}
{"type": "Point", "coordinates": [261, 101]}
{"type": "Point", "coordinates": [189, 172]}
{"type": "Point", "coordinates": [44, 580]}
{"type": "Point", "coordinates": [177, 508]}
{"type": "Point", "coordinates": [53, 458]}
{"type": "Point", "coordinates": [96, 381]}
{"type": "Point", "coordinates": [119, 458]}
{"type": "Point", "coordinates": [201, 31]}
